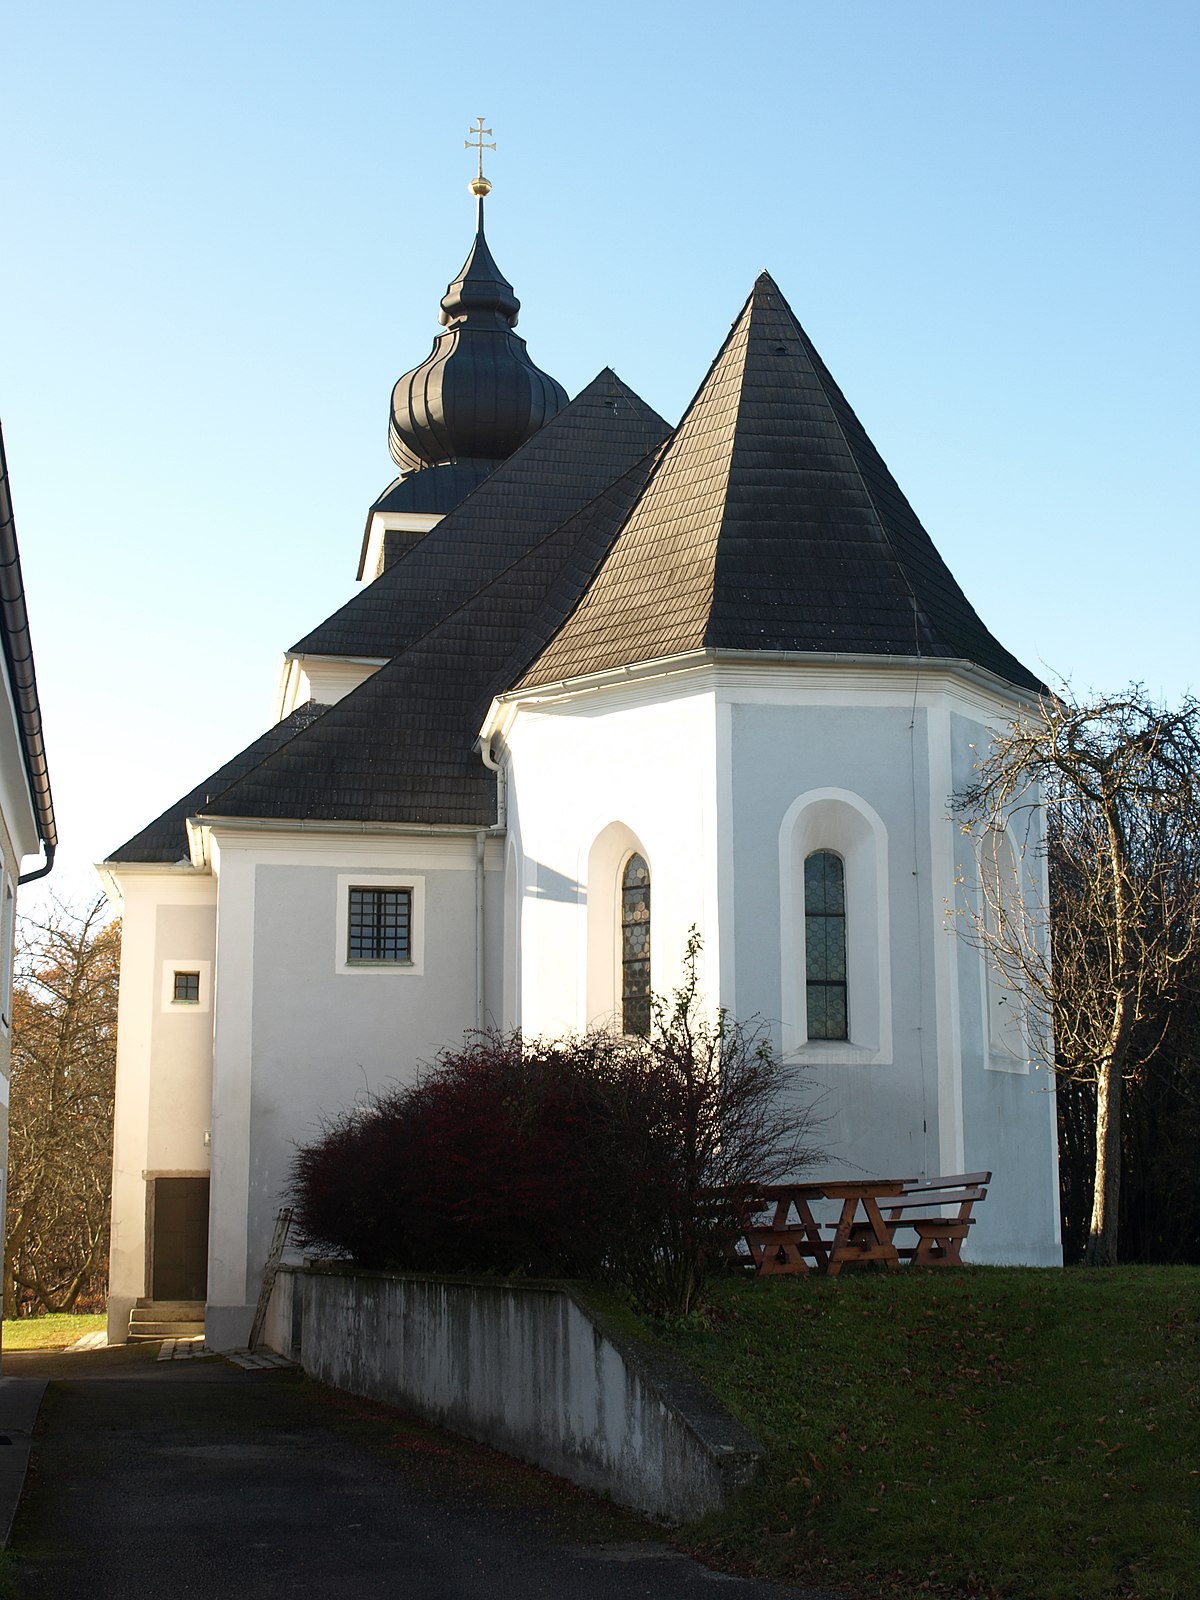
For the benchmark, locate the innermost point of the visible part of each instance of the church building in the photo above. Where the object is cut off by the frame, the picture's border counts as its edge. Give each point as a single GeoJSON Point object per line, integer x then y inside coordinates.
{"type": "Point", "coordinates": [604, 680]}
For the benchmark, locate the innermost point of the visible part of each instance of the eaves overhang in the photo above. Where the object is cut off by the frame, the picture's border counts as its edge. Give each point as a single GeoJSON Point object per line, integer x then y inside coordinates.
{"type": "Point", "coordinates": [505, 706]}
{"type": "Point", "coordinates": [18, 656]}
{"type": "Point", "coordinates": [201, 829]}
{"type": "Point", "coordinates": [110, 874]}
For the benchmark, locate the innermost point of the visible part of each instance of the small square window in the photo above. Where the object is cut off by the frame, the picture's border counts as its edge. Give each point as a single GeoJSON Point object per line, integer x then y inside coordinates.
{"type": "Point", "coordinates": [186, 989]}
{"type": "Point", "coordinates": [380, 925]}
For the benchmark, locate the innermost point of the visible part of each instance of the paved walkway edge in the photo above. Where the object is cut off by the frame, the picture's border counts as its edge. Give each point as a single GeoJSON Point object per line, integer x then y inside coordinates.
{"type": "Point", "coordinates": [20, 1399]}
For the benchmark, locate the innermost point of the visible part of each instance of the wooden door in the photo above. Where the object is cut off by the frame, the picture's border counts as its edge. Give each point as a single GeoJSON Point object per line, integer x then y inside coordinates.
{"type": "Point", "coordinates": [180, 1260]}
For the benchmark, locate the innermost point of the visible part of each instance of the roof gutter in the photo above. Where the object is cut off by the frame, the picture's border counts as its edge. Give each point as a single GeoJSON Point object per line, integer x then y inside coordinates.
{"type": "Point", "coordinates": [18, 654]}
{"type": "Point", "coordinates": [691, 661]}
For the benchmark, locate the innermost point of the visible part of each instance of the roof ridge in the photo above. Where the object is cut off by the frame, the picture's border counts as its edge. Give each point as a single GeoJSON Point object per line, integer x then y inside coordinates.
{"type": "Point", "coordinates": [593, 439]}
{"type": "Point", "coordinates": [820, 369]}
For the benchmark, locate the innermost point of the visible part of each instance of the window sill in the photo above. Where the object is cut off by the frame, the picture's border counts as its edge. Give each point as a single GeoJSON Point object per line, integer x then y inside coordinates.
{"type": "Point", "coordinates": [836, 1053]}
{"type": "Point", "coordinates": [364, 964]}
{"type": "Point", "coordinates": [1002, 1061]}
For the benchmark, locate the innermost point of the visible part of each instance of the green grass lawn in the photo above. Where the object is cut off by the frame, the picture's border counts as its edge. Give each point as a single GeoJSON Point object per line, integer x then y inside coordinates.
{"type": "Point", "coordinates": [48, 1333]}
{"type": "Point", "coordinates": [989, 1432]}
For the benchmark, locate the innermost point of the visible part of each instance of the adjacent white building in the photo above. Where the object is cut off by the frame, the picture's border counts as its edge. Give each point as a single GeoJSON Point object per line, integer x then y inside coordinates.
{"type": "Point", "coordinates": [605, 681]}
{"type": "Point", "coordinates": [27, 826]}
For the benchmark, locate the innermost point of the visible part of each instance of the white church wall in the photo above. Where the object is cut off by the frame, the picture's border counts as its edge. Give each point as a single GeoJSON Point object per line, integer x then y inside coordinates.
{"type": "Point", "coordinates": [1009, 1112]}
{"type": "Point", "coordinates": [300, 1036]}
{"type": "Point", "coordinates": [164, 1064]}
{"type": "Point", "coordinates": [932, 1101]}
{"type": "Point", "coordinates": [859, 771]}
{"type": "Point", "coordinates": [591, 779]}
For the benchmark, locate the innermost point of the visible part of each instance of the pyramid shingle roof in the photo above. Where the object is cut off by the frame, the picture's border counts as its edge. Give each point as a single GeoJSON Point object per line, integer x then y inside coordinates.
{"type": "Point", "coordinates": [771, 524]}
{"type": "Point", "coordinates": [401, 747]}
{"type": "Point", "coordinates": [593, 440]}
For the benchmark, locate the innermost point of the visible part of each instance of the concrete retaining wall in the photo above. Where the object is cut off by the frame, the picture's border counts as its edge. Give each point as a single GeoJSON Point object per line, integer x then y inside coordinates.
{"type": "Point", "coordinates": [527, 1368]}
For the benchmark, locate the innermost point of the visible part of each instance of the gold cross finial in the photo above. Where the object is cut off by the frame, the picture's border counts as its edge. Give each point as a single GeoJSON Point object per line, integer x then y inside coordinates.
{"type": "Point", "coordinates": [479, 184]}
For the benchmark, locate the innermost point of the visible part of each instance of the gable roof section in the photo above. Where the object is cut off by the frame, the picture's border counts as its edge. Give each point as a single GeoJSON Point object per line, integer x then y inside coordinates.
{"type": "Point", "coordinates": [598, 436]}
{"type": "Point", "coordinates": [773, 524]}
{"type": "Point", "coordinates": [165, 839]}
{"type": "Point", "coordinates": [401, 747]}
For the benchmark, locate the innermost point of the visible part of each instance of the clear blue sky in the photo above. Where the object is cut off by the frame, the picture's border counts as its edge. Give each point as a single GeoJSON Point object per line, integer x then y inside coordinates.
{"type": "Point", "coordinates": [224, 231]}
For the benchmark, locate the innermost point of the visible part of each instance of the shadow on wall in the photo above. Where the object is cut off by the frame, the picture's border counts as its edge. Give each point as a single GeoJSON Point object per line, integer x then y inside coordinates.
{"type": "Point", "coordinates": [544, 883]}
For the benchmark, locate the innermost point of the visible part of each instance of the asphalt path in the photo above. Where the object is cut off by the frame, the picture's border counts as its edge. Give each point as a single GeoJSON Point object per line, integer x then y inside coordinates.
{"type": "Point", "coordinates": [196, 1479]}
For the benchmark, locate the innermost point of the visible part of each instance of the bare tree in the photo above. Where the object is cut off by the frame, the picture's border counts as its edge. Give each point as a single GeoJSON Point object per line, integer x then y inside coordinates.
{"type": "Point", "coordinates": [1119, 779]}
{"type": "Point", "coordinates": [61, 1107]}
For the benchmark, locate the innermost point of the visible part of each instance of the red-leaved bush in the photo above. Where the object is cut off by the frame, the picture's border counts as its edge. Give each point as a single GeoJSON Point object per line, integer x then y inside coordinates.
{"type": "Point", "coordinates": [598, 1156]}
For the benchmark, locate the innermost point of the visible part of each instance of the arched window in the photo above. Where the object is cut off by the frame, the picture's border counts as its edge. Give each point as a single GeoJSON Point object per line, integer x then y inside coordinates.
{"type": "Point", "coordinates": [825, 945]}
{"type": "Point", "coordinates": [635, 947]}
{"type": "Point", "coordinates": [1005, 938]}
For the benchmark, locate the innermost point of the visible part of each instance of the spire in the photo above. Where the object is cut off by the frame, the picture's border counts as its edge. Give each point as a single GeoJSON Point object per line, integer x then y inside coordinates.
{"type": "Point", "coordinates": [477, 396]}
{"type": "Point", "coordinates": [480, 187]}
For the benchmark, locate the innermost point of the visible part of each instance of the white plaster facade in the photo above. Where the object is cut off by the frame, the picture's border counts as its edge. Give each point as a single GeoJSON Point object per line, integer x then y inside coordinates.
{"type": "Point", "coordinates": [725, 775]}
{"type": "Point", "coordinates": [293, 1034]}
{"type": "Point", "coordinates": [724, 769]}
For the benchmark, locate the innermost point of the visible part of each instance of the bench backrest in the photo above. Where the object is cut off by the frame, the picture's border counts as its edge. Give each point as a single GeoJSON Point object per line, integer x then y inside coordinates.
{"type": "Point", "coordinates": [956, 1180]}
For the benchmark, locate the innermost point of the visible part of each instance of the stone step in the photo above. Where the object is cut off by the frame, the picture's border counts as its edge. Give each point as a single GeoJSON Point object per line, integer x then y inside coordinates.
{"type": "Point", "coordinates": [168, 1310]}
{"type": "Point", "coordinates": [147, 1332]}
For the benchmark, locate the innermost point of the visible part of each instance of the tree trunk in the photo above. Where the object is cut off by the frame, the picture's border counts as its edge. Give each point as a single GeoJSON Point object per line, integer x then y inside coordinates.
{"type": "Point", "coordinates": [1102, 1237]}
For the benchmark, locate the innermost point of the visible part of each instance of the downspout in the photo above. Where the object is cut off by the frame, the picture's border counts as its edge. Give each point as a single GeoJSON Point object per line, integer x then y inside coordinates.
{"type": "Point", "coordinates": [18, 651]}
{"type": "Point", "coordinates": [489, 761]}
{"type": "Point", "coordinates": [480, 840]}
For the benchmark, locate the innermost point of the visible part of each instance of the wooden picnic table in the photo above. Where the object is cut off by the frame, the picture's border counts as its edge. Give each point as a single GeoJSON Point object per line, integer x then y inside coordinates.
{"type": "Point", "coordinates": [860, 1234]}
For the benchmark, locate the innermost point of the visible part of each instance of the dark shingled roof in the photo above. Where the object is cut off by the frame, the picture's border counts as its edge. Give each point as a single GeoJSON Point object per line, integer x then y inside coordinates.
{"type": "Point", "coordinates": [401, 747]}
{"type": "Point", "coordinates": [771, 523]}
{"type": "Point", "coordinates": [165, 839]}
{"type": "Point", "coordinates": [593, 440]}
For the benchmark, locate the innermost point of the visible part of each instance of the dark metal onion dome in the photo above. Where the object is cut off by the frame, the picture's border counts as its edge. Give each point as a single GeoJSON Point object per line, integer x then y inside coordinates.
{"type": "Point", "coordinates": [477, 396]}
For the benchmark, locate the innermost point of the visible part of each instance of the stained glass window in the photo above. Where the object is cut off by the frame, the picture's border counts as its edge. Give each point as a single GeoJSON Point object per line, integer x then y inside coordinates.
{"type": "Point", "coordinates": [635, 947]}
{"type": "Point", "coordinates": [825, 945]}
{"type": "Point", "coordinates": [380, 924]}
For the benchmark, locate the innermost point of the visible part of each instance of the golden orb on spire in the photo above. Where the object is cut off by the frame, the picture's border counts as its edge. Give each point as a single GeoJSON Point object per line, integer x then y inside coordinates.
{"type": "Point", "coordinates": [479, 184]}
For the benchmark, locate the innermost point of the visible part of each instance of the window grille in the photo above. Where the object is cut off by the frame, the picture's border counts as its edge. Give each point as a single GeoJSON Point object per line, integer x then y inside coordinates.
{"type": "Point", "coordinates": [825, 945]}
{"type": "Point", "coordinates": [380, 925]}
{"type": "Point", "coordinates": [635, 947]}
{"type": "Point", "coordinates": [186, 989]}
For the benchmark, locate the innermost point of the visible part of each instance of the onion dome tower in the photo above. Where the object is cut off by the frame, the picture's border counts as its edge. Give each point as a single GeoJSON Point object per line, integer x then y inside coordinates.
{"type": "Point", "coordinates": [477, 396]}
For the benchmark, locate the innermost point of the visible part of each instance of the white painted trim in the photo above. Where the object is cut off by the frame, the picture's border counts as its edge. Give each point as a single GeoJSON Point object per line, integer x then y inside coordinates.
{"type": "Point", "coordinates": [726, 908]}
{"type": "Point", "coordinates": [232, 1084]}
{"type": "Point", "coordinates": [904, 673]}
{"type": "Point", "coordinates": [415, 884]}
{"type": "Point", "coordinates": [868, 926]}
{"type": "Point", "coordinates": [941, 892]}
{"type": "Point", "coordinates": [167, 1000]}
{"type": "Point", "coordinates": [383, 523]}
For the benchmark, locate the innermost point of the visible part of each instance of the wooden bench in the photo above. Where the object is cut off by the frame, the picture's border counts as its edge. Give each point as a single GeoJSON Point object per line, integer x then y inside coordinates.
{"type": "Point", "coordinates": [888, 1207]}
{"type": "Point", "coordinates": [922, 1207]}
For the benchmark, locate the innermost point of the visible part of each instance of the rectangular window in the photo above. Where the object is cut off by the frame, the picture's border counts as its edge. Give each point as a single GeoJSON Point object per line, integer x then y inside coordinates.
{"type": "Point", "coordinates": [380, 925]}
{"type": "Point", "coordinates": [185, 990]}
